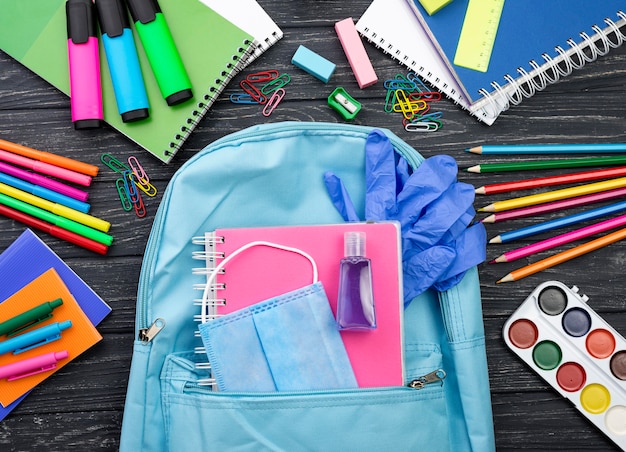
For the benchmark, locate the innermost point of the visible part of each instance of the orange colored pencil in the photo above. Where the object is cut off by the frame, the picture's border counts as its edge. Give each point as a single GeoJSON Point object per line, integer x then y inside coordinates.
{"type": "Point", "coordinates": [48, 157]}
{"type": "Point", "coordinates": [564, 256]}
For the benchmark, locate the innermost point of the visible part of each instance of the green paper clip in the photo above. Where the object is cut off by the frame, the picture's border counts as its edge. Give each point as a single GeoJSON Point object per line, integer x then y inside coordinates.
{"type": "Point", "coordinates": [341, 101]}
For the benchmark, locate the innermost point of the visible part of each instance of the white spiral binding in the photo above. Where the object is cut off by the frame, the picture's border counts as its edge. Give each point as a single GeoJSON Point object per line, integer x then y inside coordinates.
{"type": "Point", "coordinates": [526, 84]}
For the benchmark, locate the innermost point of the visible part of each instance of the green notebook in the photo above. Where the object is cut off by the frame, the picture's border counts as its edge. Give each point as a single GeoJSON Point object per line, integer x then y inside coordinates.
{"type": "Point", "coordinates": [212, 49]}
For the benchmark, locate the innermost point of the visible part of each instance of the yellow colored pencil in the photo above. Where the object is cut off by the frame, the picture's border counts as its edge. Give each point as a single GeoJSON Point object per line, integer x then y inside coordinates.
{"type": "Point", "coordinates": [555, 195]}
{"type": "Point", "coordinates": [564, 256]}
{"type": "Point", "coordinates": [58, 209]}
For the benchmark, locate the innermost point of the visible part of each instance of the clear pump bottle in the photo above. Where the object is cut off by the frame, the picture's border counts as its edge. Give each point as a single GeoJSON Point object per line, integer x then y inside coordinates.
{"type": "Point", "coordinates": [355, 302]}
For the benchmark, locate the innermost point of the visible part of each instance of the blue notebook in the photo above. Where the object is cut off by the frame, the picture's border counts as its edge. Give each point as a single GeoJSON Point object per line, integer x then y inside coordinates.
{"type": "Point", "coordinates": [527, 32]}
{"type": "Point", "coordinates": [27, 258]}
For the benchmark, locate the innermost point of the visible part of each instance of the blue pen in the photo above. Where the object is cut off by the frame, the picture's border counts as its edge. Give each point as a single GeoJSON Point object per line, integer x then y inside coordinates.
{"type": "Point", "coordinates": [36, 338]}
{"type": "Point", "coordinates": [45, 193]}
{"type": "Point", "coordinates": [559, 223]}
{"type": "Point", "coordinates": [121, 53]}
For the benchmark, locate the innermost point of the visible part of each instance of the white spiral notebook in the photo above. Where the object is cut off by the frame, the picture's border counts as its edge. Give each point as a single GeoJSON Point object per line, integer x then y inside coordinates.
{"type": "Point", "coordinates": [536, 44]}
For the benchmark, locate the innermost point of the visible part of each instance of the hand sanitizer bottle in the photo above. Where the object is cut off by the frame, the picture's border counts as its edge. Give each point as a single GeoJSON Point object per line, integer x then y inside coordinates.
{"type": "Point", "coordinates": [355, 303]}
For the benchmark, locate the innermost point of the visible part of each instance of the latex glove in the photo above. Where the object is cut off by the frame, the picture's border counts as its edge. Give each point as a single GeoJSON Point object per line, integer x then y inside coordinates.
{"type": "Point", "coordinates": [434, 211]}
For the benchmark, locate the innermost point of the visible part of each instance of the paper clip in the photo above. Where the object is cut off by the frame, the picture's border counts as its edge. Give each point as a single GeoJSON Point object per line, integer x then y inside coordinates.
{"type": "Point", "coordinates": [114, 163]}
{"type": "Point", "coordinates": [273, 85]}
{"type": "Point", "coordinates": [389, 101]}
{"type": "Point", "coordinates": [263, 76]}
{"type": "Point", "coordinates": [140, 208]}
{"type": "Point", "coordinates": [403, 85]}
{"type": "Point", "coordinates": [137, 169]}
{"type": "Point", "coordinates": [242, 98]}
{"type": "Point", "coordinates": [145, 187]}
{"type": "Point", "coordinates": [123, 194]}
{"type": "Point", "coordinates": [408, 109]}
{"type": "Point", "coordinates": [254, 92]}
{"type": "Point", "coordinates": [343, 103]}
{"type": "Point", "coordinates": [131, 188]}
{"type": "Point", "coordinates": [431, 96]}
{"type": "Point", "coordinates": [413, 77]}
{"type": "Point", "coordinates": [273, 102]}
{"type": "Point", "coordinates": [423, 126]}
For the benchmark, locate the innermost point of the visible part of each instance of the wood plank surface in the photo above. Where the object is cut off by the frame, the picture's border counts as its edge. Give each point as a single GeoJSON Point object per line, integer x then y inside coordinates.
{"type": "Point", "coordinates": [81, 408]}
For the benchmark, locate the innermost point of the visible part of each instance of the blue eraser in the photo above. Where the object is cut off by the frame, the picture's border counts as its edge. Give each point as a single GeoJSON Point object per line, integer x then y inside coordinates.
{"type": "Point", "coordinates": [314, 64]}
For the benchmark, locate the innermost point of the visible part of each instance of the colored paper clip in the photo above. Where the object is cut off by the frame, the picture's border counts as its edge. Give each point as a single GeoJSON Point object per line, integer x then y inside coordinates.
{"type": "Point", "coordinates": [138, 170]}
{"type": "Point", "coordinates": [273, 102]}
{"type": "Point", "coordinates": [404, 85]}
{"type": "Point", "coordinates": [130, 187]}
{"type": "Point", "coordinates": [242, 98]}
{"type": "Point", "coordinates": [343, 103]}
{"type": "Point", "coordinates": [254, 92]}
{"type": "Point", "coordinates": [114, 163]}
{"type": "Point", "coordinates": [146, 187]}
{"type": "Point", "coordinates": [413, 77]}
{"type": "Point", "coordinates": [430, 96]}
{"type": "Point", "coordinates": [127, 205]}
{"type": "Point", "coordinates": [389, 101]}
{"type": "Point", "coordinates": [140, 208]}
{"type": "Point", "coordinates": [408, 109]}
{"type": "Point", "coordinates": [263, 76]}
{"type": "Point", "coordinates": [273, 85]}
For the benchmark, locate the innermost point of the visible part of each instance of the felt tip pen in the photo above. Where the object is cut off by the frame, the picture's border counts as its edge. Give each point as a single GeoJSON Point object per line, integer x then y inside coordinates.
{"type": "Point", "coordinates": [53, 230]}
{"type": "Point", "coordinates": [35, 338]}
{"type": "Point", "coordinates": [84, 62]}
{"type": "Point", "coordinates": [46, 168]}
{"type": "Point", "coordinates": [29, 318]}
{"type": "Point", "coordinates": [32, 366]}
{"type": "Point", "coordinates": [45, 182]}
{"type": "Point", "coordinates": [158, 43]}
{"type": "Point", "coordinates": [121, 54]}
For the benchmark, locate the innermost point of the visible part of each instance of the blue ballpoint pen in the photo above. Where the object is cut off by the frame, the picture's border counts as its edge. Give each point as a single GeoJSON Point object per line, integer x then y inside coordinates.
{"type": "Point", "coordinates": [36, 338]}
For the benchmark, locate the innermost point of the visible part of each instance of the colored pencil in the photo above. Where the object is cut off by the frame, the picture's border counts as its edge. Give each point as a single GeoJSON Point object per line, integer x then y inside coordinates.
{"type": "Point", "coordinates": [572, 178]}
{"type": "Point", "coordinates": [558, 223]}
{"type": "Point", "coordinates": [55, 208]}
{"type": "Point", "coordinates": [48, 157]}
{"type": "Point", "coordinates": [548, 164]}
{"type": "Point", "coordinates": [46, 168]}
{"type": "Point", "coordinates": [554, 206]}
{"type": "Point", "coordinates": [561, 239]}
{"type": "Point", "coordinates": [564, 256]}
{"type": "Point", "coordinates": [45, 182]}
{"type": "Point", "coordinates": [53, 230]}
{"type": "Point", "coordinates": [555, 195]}
{"type": "Point", "coordinates": [56, 220]}
{"type": "Point", "coordinates": [587, 148]}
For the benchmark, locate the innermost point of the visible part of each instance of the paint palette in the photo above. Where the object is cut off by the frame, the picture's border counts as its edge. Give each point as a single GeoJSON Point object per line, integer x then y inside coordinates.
{"type": "Point", "coordinates": [572, 348]}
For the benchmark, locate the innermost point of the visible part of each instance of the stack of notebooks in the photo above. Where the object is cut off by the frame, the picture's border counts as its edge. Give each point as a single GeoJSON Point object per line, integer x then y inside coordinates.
{"type": "Point", "coordinates": [216, 39]}
{"type": "Point", "coordinates": [536, 44]}
{"type": "Point", "coordinates": [48, 316]}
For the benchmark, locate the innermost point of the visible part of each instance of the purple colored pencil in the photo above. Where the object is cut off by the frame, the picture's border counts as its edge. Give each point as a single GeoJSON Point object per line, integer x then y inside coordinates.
{"type": "Point", "coordinates": [43, 181]}
{"type": "Point", "coordinates": [552, 206]}
{"type": "Point", "coordinates": [561, 239]}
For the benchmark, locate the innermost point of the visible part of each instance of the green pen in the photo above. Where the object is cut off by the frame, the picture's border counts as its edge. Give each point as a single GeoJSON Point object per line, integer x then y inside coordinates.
{"type": "Point", "coordinates": [29, 318]}
{"type": "Point", "coordinates": [161, 51]}
{"type": "Point", "coordinates": [57, 220]}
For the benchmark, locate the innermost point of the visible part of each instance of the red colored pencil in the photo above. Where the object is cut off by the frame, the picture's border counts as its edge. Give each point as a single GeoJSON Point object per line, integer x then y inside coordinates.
{"type": "Point", "coordinates": [53, 230]}
{"type": "Point", "coordinates": [553, 206]}
{"type": "Point", "coordinates": [571, 178]}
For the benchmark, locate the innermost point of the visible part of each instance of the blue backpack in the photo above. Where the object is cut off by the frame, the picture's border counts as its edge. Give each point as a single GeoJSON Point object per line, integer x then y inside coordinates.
{"type": "Point", "coordinates": [272, 175]}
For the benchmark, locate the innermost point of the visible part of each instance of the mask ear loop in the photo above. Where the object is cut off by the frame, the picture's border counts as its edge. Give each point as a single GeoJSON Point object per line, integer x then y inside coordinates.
{"type": "Point", "coordinates": [211, 278]}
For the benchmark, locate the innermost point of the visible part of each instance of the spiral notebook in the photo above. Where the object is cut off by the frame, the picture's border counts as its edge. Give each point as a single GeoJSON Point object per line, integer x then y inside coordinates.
{"type": "Point", "coordinates": [212, 48]}
{"type": "Point", "coordinates": [536, 44]}
{"type": "Point", "coordinates": [262, 272]}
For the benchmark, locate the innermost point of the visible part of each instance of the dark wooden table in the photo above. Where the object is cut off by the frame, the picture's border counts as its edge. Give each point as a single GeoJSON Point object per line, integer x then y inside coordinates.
{"type": "Point", "coordinates": [81, 407]}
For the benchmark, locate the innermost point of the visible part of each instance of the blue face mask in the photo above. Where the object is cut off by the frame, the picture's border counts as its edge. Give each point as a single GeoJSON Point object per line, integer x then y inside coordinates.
{"type": "Point", "coordinates": [286, 343]}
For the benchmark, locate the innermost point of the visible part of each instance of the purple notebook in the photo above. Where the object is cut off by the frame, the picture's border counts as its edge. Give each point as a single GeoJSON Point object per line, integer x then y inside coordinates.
{"type": "Point", "coordinates": [27, 258]}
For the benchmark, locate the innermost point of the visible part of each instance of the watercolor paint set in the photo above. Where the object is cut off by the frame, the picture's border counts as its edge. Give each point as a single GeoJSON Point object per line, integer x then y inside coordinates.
{"type": "Point", "coordinates": [576, 351]}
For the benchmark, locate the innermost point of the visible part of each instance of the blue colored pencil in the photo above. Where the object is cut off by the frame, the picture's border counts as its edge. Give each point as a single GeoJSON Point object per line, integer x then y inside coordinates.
{"type": "Point", "coordinates": [592, 148]}
{"type": "Point", "coordinates": [558, 223]}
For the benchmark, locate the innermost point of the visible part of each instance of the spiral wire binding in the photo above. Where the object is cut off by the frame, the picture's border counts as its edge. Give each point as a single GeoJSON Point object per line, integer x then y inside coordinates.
{"type": "Point", "coordinates": [553, 69]}
{"type": "Point", "coordinates": [241, 59]}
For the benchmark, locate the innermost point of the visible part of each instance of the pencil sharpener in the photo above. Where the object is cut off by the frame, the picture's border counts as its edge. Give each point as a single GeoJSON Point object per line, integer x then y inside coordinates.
{"type": "Point", "coordinates": [345, 104]}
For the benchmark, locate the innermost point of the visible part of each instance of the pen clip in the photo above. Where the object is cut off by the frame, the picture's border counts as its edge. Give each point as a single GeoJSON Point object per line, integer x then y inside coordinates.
{"type": "Point", "coordinates": [45, 341]}
{"type": "Point", "coordinates": [33, 372]}
{"type": "Point", "coordinates": [28, 325]}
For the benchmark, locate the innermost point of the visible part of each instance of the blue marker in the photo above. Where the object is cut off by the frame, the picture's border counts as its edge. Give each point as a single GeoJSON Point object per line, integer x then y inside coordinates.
{"type": "Point", "coordinates": [121, 53]}
{"type": "Point", "coordinates": [36, 338]}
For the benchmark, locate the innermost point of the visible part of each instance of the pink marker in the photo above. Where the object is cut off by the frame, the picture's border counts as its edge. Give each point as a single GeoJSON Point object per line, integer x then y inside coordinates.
{"type": "Point", "coordinates": [32, 366]}
{"type": "Point", "coordinates": [84, 61]}
{"type": "Point", "coordinates": [46, 168]}
{"type": "Point", "coordinates": [43, 181]}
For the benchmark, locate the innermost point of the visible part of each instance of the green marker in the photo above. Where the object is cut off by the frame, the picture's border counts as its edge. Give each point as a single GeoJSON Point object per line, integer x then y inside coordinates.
{"type": "Point", "coordinates": [161, 51]}
{"type": "Point", "coordinates": [29, 318]}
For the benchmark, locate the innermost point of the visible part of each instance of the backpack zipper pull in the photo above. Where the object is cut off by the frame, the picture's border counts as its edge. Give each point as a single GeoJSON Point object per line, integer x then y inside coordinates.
{"type": "Point", "coordinates": [147, 334]}
{"type": "Point", "coordinates": [436, 376]}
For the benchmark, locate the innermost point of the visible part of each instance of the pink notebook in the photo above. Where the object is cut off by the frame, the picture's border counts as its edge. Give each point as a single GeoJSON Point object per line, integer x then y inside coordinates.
{"type": "Point", "coordinates": [262, 272]}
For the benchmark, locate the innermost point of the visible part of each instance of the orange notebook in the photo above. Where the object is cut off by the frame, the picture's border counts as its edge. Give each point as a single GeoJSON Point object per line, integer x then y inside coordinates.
{"type": "Point", "coordinates": [260, 273]}
{"type": "Point", "coordinates": [76, 339]}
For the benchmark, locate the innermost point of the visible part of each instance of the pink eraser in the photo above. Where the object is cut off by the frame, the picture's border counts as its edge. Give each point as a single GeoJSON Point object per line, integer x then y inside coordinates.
{"type": "Point", "coordinates": [355, 51]}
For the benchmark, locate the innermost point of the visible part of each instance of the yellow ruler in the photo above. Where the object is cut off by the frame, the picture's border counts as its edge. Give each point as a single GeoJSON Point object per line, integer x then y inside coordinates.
{"type": "Point", "coordinates": [478, 34]}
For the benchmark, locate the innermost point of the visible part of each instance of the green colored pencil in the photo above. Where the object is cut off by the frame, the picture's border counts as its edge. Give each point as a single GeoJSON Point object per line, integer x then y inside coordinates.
{"type": "Point", "coordinates": [548, 164]}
